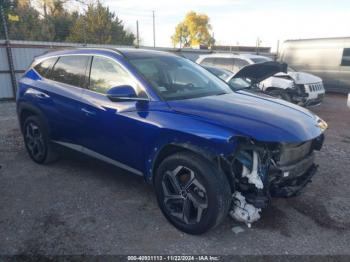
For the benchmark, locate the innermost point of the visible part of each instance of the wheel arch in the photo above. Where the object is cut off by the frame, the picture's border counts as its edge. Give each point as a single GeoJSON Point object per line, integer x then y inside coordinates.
{"type": "Point", "coordinates": [216, 153]}
{"type": "Point", "coordinates": [25, 110]}
{"type": "Point", "coordinates": [174, 148]}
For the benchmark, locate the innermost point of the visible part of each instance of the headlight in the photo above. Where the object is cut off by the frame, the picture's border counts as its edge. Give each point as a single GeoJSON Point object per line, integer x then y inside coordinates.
{"type": "Point", "coordinates": [321, 123]}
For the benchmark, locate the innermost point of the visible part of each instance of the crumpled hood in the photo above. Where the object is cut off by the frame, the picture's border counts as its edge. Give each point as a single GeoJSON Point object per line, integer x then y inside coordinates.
{"type": "Point", "coordinates": [260, 71]}
{"type": "Point", "coordinates": [262, 118]}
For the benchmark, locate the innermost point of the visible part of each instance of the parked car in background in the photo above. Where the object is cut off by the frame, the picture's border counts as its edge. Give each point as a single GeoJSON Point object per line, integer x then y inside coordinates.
{"type": "Point", "coordinates": [328, 58]}
{"type": "Point", "coordinates": [297, 87]}
{"type": "Point", "coordinates": [222, 73]}
{"type": "Point", "coordinates": [206, 149]}
{"type": "Point", "coordinates": [249, 77]}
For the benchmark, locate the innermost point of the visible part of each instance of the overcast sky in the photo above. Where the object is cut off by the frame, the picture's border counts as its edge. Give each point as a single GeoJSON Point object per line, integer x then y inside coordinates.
{"type": "Point", "coordinates": [239, 21]}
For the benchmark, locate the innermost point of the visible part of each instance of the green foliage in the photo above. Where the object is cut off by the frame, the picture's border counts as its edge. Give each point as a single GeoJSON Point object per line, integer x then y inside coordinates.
{"type": "Point", "coordinates": [193, 30]}
{"type": "Point", "coordinates": [100, 26]}
{"type": "Point", "coordinates": [97, 25]}
{"type": "Point", "coordinates": [27, 26]}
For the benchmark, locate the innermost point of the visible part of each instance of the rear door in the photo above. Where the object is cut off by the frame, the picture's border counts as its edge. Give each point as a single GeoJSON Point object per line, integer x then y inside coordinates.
{"type": "Point", "coordinates": [65, 83]}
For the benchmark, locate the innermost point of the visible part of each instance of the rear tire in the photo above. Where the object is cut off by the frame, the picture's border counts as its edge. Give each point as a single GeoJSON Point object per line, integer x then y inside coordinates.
{"type": "Point", "coordinates": [192, 193]}
{"type": "Point", "coordinates": [37, 142]}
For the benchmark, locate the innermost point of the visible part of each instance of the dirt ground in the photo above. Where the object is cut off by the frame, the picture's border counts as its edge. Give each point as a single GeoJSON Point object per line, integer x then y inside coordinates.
{"type": "Point", "coordinates": [81, 206]}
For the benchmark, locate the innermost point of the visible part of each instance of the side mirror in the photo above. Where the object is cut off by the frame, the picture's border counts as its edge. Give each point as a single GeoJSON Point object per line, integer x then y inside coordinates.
{"type": "Point", "coordinates": [123, 93]}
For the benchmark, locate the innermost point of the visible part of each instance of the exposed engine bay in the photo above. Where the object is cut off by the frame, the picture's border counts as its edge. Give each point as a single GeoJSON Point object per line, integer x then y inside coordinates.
{"type": "Point", "coordinates": [265, 170]}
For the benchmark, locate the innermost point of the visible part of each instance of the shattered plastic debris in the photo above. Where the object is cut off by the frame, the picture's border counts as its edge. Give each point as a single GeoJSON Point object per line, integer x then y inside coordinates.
{"type": "Point", "coordinates": [243, 211]}
{"type": "Point", "coordinates": [253, 176]}
{"type": "Point", "coordinates": [237, 229]}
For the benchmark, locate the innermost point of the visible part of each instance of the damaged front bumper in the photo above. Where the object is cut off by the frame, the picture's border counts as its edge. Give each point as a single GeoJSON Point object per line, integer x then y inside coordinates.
{"type": "Point", "coordinates": [263, 171]}
{"type": "Point", "coordinates": [292, 186]}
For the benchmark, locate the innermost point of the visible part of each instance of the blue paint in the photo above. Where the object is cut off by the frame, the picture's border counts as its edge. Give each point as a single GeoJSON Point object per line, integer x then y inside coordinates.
{"type": "Point", "coordinates": [134, 132]}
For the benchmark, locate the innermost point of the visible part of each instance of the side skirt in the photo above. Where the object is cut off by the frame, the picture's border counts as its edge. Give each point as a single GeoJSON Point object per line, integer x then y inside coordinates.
{"type": "Point", "coordinates": [96, 155]}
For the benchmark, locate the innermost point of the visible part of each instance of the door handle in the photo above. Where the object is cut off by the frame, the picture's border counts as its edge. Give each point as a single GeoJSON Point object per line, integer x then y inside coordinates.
{"type": "Point", "coordinates": [88, 112]}
{"type": "Point", "coordinates": [43, 95]}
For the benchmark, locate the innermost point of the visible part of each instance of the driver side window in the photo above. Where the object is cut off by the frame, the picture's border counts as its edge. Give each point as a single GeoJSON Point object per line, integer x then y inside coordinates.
{"type": "Point", "coordinates": [105, 74]}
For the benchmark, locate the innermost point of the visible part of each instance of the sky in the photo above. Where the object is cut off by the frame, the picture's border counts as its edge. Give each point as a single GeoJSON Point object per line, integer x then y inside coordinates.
{"type": "Point", "coordinates": [238, 21]}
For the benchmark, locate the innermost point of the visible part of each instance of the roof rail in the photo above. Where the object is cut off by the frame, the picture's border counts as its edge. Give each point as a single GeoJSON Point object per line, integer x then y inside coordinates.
{"type": "Point", "coordinates": [102, 48]}
{"type": "Point", "coordinates": [119, 52]}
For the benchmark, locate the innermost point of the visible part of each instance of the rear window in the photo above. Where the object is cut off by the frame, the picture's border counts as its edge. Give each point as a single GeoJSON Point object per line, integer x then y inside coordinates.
{"type": "Point", "coordinates": [45, 66]}
{"type": "Point", "coordinates": [207, 61]}
{"type": "Point", "coordinates": [223, 62]}
{"type": "Point", "coordinates": [260, 60]}
{"type": "Point", "coordinates": [345, 61]}
{"type": "Point", "coordinates": [240, 62]}
{"type": "Point", "coordinates": [71, 70]}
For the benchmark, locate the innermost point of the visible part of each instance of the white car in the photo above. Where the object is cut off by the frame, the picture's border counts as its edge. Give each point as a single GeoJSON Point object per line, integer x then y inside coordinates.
{"type": "Point", "coordinates": [297, 87]}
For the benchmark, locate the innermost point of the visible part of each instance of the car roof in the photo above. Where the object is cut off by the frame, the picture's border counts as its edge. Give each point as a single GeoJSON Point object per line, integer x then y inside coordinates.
{"type": "Point", "coordinates": [143, 53]}
{"type": "Point", "coordinates": [231, 55]}
{"type": "Point", "coordinates": [122, 52]}
{"type": "Point", "coordinates": [253, 56]}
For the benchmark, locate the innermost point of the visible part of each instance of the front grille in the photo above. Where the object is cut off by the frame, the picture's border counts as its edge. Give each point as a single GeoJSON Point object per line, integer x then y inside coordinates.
{"type": "Point", "coordinates": [301, 88]}
{"type": "Point", "coordinates": [316, 87]}
{"type": "Point", "coordinates": [294, 152]}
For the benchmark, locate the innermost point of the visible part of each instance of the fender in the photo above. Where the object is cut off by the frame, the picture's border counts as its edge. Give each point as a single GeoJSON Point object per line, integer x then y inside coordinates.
{"type": "Point", "coordinates": [204, 147]}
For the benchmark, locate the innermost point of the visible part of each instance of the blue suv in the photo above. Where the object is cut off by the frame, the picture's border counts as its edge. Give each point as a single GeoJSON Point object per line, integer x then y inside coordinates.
{"type": "Point", "coordinates": [207, 150]}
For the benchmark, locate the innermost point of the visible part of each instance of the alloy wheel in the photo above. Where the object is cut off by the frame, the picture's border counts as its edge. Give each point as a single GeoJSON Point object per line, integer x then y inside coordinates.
{"type": "Point", "coordinates": [34, 141]}
{"type": "Point", "coordinates": [185, 198]}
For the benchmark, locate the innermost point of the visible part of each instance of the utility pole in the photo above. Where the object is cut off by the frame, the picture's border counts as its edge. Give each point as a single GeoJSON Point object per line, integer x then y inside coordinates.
{"type": "Point", "coordinates": [180, 37]}
{"type": "Point", "coordinates": [8, 50]}
{"type": "Point", "coordinates": [84, 30]}
{"type": "Point", "coordinates": [154, 31]}
{"type": "Point", "coordinates": [137, 34]}
{"type": "Point", "coordinates": [277, 50]}
{"type": "Point", "coordinates": [257, 45]}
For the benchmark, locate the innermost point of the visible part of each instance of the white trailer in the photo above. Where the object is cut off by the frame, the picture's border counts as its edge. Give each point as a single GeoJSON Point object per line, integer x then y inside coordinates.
{"type": "Point", "coordinates": [328, 58]}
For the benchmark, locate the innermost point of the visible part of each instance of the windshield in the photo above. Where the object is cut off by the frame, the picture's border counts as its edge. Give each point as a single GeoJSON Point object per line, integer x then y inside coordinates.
{"type": "Point", "coordinates": [176, 78]}
{"type": "Point", "coordinates": [258, 60]}
{"type": "Point", "coordinates": [291, 69]}
{"type": "Point", "coordinates": [239, 83]}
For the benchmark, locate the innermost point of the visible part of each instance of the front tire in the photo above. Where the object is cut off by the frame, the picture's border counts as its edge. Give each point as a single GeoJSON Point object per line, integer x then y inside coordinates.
{"type": "Point", "coordinates": [37, 141]}
{"type": "Point", "coordinates": [192, 193]}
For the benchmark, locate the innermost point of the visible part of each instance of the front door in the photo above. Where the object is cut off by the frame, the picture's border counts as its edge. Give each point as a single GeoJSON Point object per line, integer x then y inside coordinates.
{"type": "Point", "coordinates": [111, 129]}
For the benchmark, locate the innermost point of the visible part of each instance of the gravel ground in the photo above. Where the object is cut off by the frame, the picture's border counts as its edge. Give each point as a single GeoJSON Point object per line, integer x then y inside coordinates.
{"type": "Point", "coordinates": [81, 206]}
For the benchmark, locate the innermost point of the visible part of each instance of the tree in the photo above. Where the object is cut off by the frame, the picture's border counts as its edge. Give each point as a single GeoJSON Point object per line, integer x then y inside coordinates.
{"type": "Point", "coordinates": [50, 20]}
{"type": "Point", "coordinates": [29, 25]}
{"type": "Point", "coordinates": [100, 26]}
{"type": "Point", "coordinates": [56, 20]}
{"type": "Point", "coordinates": [193, 30]}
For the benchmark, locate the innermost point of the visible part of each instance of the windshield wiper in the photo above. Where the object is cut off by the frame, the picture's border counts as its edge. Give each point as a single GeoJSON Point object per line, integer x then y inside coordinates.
{"type": "Point", "coordinates": [242, 88]}
{"type": "Point", "coordinates": [219, 94]}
